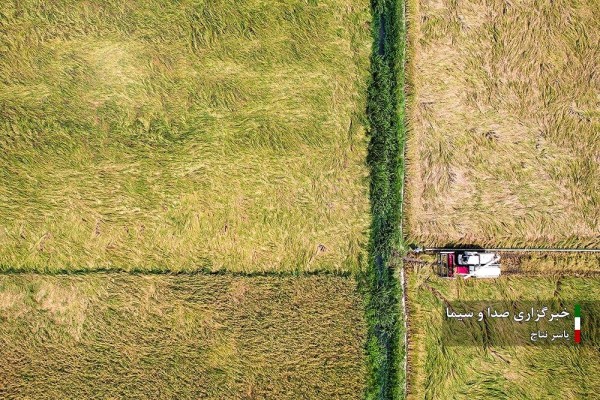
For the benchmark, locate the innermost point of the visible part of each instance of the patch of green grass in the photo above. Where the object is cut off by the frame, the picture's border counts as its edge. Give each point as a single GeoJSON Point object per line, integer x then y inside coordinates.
{"type": "Point", "coordinates": [152, 135]}
{"type": "Point", "coordinates": [440, 371]}
{"type": "Point", "coordinates": [386, 133]}
{"type": "Point", "coordinates": [185, 336]}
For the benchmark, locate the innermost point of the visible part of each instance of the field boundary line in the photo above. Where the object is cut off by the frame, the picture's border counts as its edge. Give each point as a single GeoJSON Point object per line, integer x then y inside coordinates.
{"type": "Point", "coordinates": [203, 272]}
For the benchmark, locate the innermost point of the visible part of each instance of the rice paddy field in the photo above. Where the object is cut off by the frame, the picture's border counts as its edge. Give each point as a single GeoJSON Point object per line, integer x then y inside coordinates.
{"type": "Point", "coordinates": [438, 370]}
{"type": "Point", "coordinates": [503, 146]}
{"type": "Point", "coordinates": [187, 336]}
{"type": "Point", "coordinates": [194, 202]}
{"type": "Point", "coordinates": [176, 136]}
{"type": "Point", "coordinates": [184, 201]}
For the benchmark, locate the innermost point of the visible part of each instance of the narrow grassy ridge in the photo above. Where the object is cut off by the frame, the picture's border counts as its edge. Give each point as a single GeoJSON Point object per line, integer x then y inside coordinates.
{"type": "Point", "coordinates": [384, 109]}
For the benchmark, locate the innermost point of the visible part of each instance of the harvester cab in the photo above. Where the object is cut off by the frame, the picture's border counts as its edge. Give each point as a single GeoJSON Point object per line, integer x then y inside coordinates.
{"type": "Point", "coordinates": [466, 264]}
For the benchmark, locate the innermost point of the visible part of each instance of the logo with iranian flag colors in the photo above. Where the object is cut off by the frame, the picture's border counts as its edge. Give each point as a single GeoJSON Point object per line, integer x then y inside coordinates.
{"type": "Point", "coordinates": [577, 315]}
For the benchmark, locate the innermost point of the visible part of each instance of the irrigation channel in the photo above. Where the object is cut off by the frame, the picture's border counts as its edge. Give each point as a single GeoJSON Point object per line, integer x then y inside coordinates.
{"type": "Point", "coordinates": [385, 110]}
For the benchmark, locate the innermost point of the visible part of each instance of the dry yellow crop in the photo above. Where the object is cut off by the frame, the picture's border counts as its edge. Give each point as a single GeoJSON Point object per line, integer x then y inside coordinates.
{"type": "Point", "coordinates": [184, 337]}
{"type": "Point", "coordinates": [153, 135]}
{"type": "Point", "coordinates": [504, 123]}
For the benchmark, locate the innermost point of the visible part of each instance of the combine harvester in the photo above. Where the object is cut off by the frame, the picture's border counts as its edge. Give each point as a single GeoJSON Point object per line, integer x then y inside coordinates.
{"type": "Point", "coordinates": [464, 263]}
{"type": "Point", "coordinates": [467, 264]}
{"type": "Point", "coordinates": [480, 263]}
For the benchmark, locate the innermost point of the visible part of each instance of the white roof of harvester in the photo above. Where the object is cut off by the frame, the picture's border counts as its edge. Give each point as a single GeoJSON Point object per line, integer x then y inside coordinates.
{"type": "Point", "coordinates": [474, 258]}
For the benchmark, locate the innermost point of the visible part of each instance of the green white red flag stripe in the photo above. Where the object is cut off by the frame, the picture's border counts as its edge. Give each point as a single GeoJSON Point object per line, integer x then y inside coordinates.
{"type": "Point", "coordinates": [577, 315]}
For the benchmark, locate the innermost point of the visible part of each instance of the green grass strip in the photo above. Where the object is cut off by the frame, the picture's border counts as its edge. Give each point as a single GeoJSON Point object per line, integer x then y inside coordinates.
{"type": "Point", "coordinates": [385, 106]}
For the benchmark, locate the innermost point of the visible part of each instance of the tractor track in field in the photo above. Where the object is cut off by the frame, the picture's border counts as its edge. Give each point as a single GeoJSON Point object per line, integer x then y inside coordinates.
{"type": "Point", "coordinates": [405, 313]}
{"type": "Point", "coordinates": [553, 273]}
{"type": "Point", "coordinates": [408, 348]}
{"type": "Point", "coordinates": [512, 266]}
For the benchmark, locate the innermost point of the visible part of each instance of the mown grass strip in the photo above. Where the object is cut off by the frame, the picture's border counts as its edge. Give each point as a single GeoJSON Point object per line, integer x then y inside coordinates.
{"type": "Point", "coordinates": [385, 113]}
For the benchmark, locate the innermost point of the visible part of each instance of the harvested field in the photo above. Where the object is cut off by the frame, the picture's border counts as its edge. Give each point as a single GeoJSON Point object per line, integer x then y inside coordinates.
{"type": "Point", "coordinates": [438, 371]}
{"type": "Point", "coordinates": [177, 136]}
{"type": "Point", "coordinates": [188, 336]}
{"type": "Point", "coordinates": [504, 123]}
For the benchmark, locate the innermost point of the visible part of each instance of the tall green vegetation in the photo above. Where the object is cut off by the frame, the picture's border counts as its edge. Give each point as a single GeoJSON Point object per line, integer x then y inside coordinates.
{"type": "Point", "coordinates": [384, 110]}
